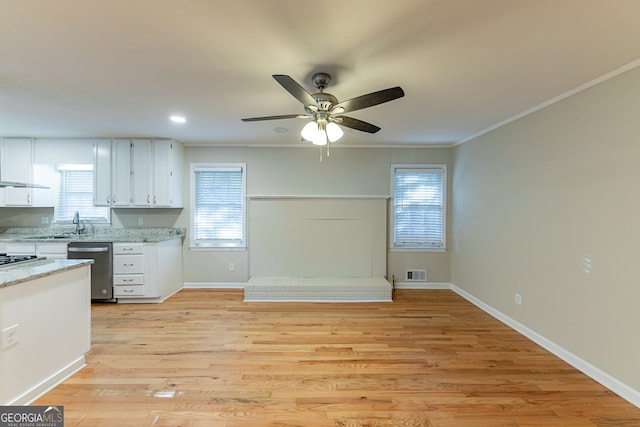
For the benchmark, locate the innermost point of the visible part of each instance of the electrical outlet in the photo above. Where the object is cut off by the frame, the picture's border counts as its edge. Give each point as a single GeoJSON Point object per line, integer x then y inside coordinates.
{"type": "Point", "coordinates": [44, 220]}
{"type": "Point", "coordinates": [232, 266]}
{"type": "Point", "coordinates": [140, 221]}
{"type": "Point", "coordinates": [10, 336]}
{"type": "Point", "coordinates": [518, 299]}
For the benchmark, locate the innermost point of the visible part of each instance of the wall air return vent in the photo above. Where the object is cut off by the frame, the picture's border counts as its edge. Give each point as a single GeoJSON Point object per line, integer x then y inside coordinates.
{"type": "Point", "coordinates": [416, 276]}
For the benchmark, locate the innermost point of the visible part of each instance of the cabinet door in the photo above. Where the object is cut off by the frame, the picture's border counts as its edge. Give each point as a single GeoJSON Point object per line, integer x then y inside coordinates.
{"type": "Point", "coordinates": [162, 173]}
{"type": "Point", "coordinates": [102, 173]}
{"type": "Point", "coordinates": [142, 172]}
{"type": "Point", "coordinates": [53, 250]}
{"type": "Point", "coordinates": [17, 166]}
{"type": "Point", "coordinates": [121, 172]}
{"type": "Point", "coordinates": [21, 248]}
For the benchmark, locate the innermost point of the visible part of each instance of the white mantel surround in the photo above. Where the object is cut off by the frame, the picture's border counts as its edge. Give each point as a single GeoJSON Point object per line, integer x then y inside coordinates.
{"type": "Point", "coordinates": [318, 248]}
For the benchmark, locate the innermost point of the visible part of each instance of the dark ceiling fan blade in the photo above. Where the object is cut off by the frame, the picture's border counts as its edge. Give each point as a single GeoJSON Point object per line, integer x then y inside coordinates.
{"type": "Point", "coordinates": [295, 89]}
{"type": "Point", "coordinates": [283, 116]}
{"type": "Point", "coordinates": [370, 99]}
{"type": "Point", "coordinates": [356, 124]}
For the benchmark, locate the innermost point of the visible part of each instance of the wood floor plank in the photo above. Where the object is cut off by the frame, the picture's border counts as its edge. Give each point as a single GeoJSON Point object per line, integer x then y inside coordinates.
{"type": "Point", "coordinates": [430, 358]}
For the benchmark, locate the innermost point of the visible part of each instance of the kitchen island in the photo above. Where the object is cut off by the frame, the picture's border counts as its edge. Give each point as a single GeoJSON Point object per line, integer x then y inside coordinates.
{"type": "Point", "coordinates": [45, 318]}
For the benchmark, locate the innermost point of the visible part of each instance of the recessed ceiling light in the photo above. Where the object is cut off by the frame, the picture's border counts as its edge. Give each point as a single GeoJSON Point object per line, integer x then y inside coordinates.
{"type": "Point", "coordinates": [178, 119]}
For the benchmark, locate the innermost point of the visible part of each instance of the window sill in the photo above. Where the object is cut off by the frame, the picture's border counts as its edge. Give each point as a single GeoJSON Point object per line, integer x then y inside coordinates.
{"type": "Point", "coordinates": [418, 249]}
{"type": "Point", "coordinates": [217, 249]}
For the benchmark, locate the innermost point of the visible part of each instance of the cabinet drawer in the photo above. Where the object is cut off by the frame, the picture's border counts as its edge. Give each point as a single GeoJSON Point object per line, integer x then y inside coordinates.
{"type": "Point", "coordinates": [128, 279]}
{"type": "Point", "coordinates": [128, 291]}
{"type": "Point", "coordinates": [128, 264]}
{"type": "Point", "coordinates": [128, 248]}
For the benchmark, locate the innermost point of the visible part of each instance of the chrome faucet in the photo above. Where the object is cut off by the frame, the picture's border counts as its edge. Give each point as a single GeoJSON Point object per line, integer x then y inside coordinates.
{"type": "Point", "coordinates": [76, 221]}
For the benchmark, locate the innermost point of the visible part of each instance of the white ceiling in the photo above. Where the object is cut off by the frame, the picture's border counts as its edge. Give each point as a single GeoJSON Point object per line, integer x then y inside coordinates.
{"type": "Point", "coordinates": [79, 68]}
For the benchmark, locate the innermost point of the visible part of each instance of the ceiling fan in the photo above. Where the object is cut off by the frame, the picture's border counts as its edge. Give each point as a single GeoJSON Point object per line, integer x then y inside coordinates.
{"type": "Point", "coordinates": [326, 111]}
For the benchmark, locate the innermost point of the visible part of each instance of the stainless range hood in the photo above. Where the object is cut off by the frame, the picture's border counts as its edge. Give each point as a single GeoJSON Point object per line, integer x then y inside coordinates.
{"type": "Point", "coordinates": [11, 184]}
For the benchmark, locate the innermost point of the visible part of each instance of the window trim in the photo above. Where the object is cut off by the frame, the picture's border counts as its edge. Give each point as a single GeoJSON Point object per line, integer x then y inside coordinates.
{"type": "Point", "coordinates": [210, 246]}
{"type": "Point", "coordinates": [59, 189]}
{"type": "Point", "coordinates": [418, 248]}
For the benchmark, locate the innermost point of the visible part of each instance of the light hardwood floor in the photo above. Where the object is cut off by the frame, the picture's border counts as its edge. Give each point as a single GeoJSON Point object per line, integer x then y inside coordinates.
{"type": "Point", "coordinates": [430, 358]}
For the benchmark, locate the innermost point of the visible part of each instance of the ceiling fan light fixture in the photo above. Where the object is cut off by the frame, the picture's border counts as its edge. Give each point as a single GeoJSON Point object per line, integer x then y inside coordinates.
{"type": "Point", "coordinates": [334, 132]}
{"type": "Point", "coordinates": [309, 131]}
{"type": "Point", "coordinates": [320, 138]}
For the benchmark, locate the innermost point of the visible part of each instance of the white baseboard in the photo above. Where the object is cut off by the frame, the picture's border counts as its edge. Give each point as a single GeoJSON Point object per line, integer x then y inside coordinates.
{"type": "Point", "coordinates": [241, 285]}
{"type": "Point", "coordinates": [613, 384]}
{"type": "Point", "coordinates": [49, 383]}
{"type": "Point", "coordinates": [214, 285]}
{"type": "Point", "coordinates": [423, 285]}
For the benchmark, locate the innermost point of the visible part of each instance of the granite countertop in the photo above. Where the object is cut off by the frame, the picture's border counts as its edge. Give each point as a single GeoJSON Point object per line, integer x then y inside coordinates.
{"type": "Point", "coordinates": [31, 270]}
{"type": "Point", "coordinates": [151, 235]}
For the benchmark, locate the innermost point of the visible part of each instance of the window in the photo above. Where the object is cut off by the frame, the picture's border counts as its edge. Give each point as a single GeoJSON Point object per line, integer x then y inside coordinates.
{"type": "Point", "coordinates": [419, 207]}
{"type": "Point", "coordinates": [218, 201]}
{"type": "Point", "coordinates": [76, 195]}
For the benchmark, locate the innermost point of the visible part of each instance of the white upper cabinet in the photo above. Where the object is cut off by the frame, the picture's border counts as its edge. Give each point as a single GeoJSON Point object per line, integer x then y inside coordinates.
{"type": "Point", "coordinates": [17, 166]}
{"type": "Point", "coordinates": [112, 173]}
{"type": "Point", "coordinates": [121, 172]}
{"type": "Point", "coordinates": [167, 174]}
{"type": "Point", "coordinates": [138, 173]}
{"type": "Point", "coordinates": [141, 176]}
{"type": "Point", "coordinates": [102, 172]}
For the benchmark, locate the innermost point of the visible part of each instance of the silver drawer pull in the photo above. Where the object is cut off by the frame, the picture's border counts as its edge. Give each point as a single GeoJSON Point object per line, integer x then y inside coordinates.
{"type": "Point", "coordinates": [127, 265]}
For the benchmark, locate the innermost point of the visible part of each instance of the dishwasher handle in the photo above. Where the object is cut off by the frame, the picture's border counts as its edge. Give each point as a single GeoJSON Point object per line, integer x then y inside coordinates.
{"type": "Point", "coordinates": [100, 249]}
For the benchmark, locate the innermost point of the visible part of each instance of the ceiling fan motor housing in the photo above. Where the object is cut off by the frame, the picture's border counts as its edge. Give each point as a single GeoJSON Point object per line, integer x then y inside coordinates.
{"type": "Point", "coordinates": [325, 100]}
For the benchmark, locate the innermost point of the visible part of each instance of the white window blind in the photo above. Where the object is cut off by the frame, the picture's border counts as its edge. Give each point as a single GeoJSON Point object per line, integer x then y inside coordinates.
{"type": "Point", "coordinates": [419, 206]}
{"type": "Point", "coordinates": [76, 195]}
{"type": "Point", "coordinates": [219, 205]}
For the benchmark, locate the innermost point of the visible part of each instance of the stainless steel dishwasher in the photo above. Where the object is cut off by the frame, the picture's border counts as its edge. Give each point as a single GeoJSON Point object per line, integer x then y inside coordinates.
{"type": "Point", "coordinates": [102, 268]}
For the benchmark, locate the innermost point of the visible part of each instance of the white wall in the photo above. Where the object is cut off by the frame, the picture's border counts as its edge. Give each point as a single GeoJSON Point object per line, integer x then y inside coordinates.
{"type": "Point", "coordinates": [298, 171]}
{"type": "Point", "coordinates": [548, 207]}
{"type": "Point", "coordinates": [318, 237]}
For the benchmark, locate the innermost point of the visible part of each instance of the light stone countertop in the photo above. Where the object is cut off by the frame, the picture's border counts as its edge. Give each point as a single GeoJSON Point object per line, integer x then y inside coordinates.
{"type": "Point", "coordinates": [151, 235]}
{"type": "Point", "coordinates": [31, 270]}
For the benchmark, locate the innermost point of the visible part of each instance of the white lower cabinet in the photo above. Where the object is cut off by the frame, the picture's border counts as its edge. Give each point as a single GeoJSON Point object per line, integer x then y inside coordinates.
{"type": "Point", "coordinates": [147, 272]}
{"type": "Point", "coordinates": [53, 250]}
{"type": "Point", "coordinates": [21, 248]}
{"type": "Point", "coordinates": [128, 270]}
{"type": "Point", "coordinates": [50, 250]}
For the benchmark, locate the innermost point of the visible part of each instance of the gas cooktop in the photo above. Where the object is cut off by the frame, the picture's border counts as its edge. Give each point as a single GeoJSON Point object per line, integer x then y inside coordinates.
{"type": "Point", "coordinates": [15, 259]}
